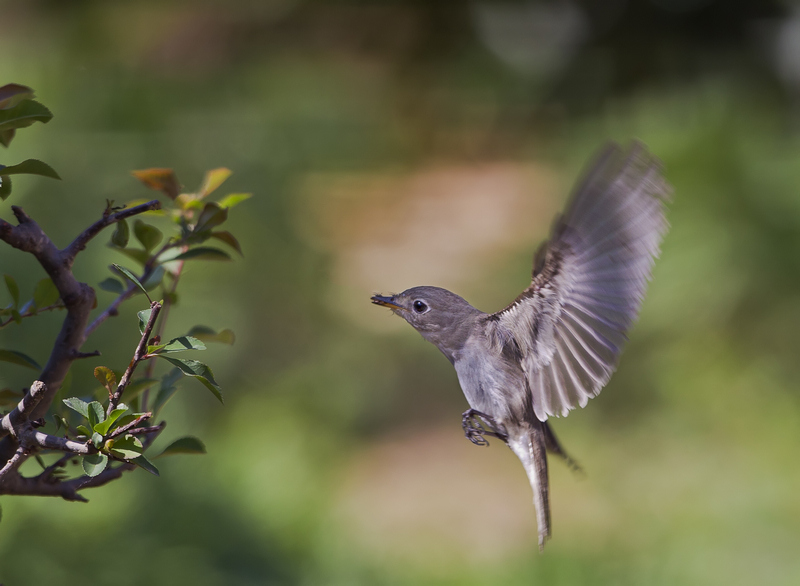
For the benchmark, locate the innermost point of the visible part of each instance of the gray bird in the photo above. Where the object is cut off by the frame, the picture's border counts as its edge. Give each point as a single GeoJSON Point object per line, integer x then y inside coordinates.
{"type": "Point", "coordinates": [558, 343]}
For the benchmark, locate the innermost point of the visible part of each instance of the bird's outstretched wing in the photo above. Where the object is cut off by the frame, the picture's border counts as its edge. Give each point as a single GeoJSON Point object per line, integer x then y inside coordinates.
{"type": "Point", "coordinates": [589, 279]}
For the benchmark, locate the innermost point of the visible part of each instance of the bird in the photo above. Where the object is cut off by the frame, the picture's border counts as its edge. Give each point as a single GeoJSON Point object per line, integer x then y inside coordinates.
{"type": "Point", "coordinates": [558, 343]}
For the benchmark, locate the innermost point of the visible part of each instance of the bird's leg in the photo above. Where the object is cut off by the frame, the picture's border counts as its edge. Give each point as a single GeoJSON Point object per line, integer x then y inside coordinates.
{"type": "Point", "coordinates": [477, 425]}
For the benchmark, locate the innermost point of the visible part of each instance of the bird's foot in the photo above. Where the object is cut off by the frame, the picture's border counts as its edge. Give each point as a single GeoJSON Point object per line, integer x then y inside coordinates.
{"type": "Point", "coordinates": [478, 425]}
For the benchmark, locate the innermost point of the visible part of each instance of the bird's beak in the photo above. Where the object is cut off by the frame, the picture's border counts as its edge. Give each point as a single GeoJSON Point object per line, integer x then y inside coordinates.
{"type": "Point", "coordinates": [385, 302]}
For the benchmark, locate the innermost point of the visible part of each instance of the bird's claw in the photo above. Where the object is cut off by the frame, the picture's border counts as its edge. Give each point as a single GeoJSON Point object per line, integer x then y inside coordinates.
{"type": "Point", "coordinates": [478, 425]}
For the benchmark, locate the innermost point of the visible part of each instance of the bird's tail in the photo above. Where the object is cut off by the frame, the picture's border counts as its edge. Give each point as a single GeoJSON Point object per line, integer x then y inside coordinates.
{"type": "Point", "coordinates": [529, 443]}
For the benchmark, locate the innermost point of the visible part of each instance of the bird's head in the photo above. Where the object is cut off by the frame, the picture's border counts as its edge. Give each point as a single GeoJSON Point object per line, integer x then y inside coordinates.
{"type": "Point", "coordinates": [442, 317]}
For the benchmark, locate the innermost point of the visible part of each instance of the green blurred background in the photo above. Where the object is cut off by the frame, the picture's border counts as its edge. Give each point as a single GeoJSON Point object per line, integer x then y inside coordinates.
{"type": "Point", "coordinates": [390, 144]}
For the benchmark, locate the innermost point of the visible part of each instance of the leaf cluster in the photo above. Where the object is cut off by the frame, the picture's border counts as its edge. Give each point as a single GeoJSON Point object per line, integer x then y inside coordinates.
{"type": "Point", "coordinates": [102, 431]}
{"type": "Point", "coordinates": [18, 109]}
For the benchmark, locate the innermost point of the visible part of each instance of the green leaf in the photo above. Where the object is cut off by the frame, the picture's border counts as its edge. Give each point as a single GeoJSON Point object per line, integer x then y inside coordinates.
{"type": "Point", "coordinates": [127, 447]}
{"type": "Point", "coordinates": [177, 345]}
{"type": "Point", "coordinates": [148, 235]}
{"type": "Point", "coordinates": [121, 234]}
{"type": "Point", "coordinates": [198, 370]}
{"type": "Point", "coordinates": [233, 199]}
{"type": "Point", "coordinates": [167, 389]}
{"type": "Point", "coordinates": [5, 187]}
{"type": "Point", "coordinates": [207, 334]}
{"type": "Point", "coordinates": [228, 239]}
{"type": "Point", "coordinates": [213, 179]}
{"type": "Point", "coordinates": [84, 430]}
{"type": "Point", "coordinates": [154, 279]}
{"type": "Point", "coordinates": [112, 285]}
{"type": "Point", "coordinates": [188, 201]}
{"type": "Point", "coordinates": [6, 136]}
{"type": "Point", "coordinates": [30, 167]}
{"type": "Point", "coordinates": [163, 180]}
{"type": "Point", "coordinates": [24, 114]}
{"type": "Point", "coordinates": [19, 358]}
{"type": "Point", "coordinates": [131, 277]}
{"type": "Point", "coordinates": [146, 464]}
{"type": "Point", "coordinates": [78, 405]}
{"type": "Point", "coordinates": [144, 317]}
{"type": "Point", "coordinates": [12, 94]}
{"type": "Point", "coordinates": [13, 289]}
{"type": "Point", "coordinates": [94, 464]}
{"type": "Point", "coordinates": [137, 254]}
{"type": "Point", "coordinates": [45, 293]}
{"type": "Point", "coordinates": [204, 253]}
{"type": "Point", "coordinates": [126, 419]}
{"type": "Point", "coordinates": [104, 426]}
{"type": "Point", "coordinates": [184, 445]}
{"type": "Point", "coordinates": [60, 422]}
{"type": "Point", "coordinates": [96, 414]}
{"type": "Point", "coordinates": [97, 440]}
{"type": "Point", "coordinates": [212, 215]}
{"type": "Point", "coordinates": [106, 377]}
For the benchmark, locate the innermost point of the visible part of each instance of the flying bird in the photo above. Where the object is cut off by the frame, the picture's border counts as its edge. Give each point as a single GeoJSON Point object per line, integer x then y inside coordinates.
{"type": "Point", "coordinates": [557, 344]}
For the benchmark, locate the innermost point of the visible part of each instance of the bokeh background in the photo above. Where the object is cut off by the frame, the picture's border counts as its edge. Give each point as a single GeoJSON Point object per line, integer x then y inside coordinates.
{"type": "Point", "coordinates": [390, 144]}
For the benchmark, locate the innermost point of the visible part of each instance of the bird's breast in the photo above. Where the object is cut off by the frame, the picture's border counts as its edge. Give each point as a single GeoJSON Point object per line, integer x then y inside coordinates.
{"type": "Point", "coordinates": [491, 384]}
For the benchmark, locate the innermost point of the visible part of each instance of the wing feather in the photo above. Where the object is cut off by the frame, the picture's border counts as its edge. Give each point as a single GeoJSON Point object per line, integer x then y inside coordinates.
{"type": "Point", "coordinates": [589, 281]}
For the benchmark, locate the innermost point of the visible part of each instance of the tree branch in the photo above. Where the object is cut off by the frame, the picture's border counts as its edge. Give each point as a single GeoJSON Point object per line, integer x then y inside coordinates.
{"type": "Point", "coordinates": [78, 297]}
{"type": "Point", "coordinates": [13, 463]}
{"type": "Point", "coordinates": [31, 313]}
{"type": "Point", "coordinates": [113, 309]}
{"type": "Point", "coordinates": [141, 351]}
{"type": "Point", "coordinates": [17, 423]}
{"type": "Point", "coordinates": [129, 426]}
{"type": "Point", "coordinates": [46, 485]}
{"type": "Point", "coordinates": [20, 415]}
{"type": "Point", "coordinates": [80, 242]}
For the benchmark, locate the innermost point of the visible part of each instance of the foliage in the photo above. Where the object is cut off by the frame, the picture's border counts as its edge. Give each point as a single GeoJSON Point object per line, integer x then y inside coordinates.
{"type": "Point", "coordinates": [103, 432]}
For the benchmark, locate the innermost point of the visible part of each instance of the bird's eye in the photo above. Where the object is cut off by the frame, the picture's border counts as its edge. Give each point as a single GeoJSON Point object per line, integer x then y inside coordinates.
{"type": "Point", "coordinates": [420, 306]}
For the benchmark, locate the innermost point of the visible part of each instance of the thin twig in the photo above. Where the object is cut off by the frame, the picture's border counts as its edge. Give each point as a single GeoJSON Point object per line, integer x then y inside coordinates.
{"type": "Point", "coordinates": [138, 355]}
{"type": "Point", "coordinates": [32, 313]}
{"type": "Point", "coordinates": [161, 326]}
{"type": "Point", "coordinates": [112, 309]}
{"type": "Point", "coordinates": [60, 463]}
{"type": "Point", "coordinates": [80, 242]}
{"type": "Point", "coordinates": [128, 426]}
{"type": "Point", "coordinates": [146, 430]}
{"type": "Point", "coordinates": [92, 354]}
{"type": "Point", "coordinates": [14, 462]}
